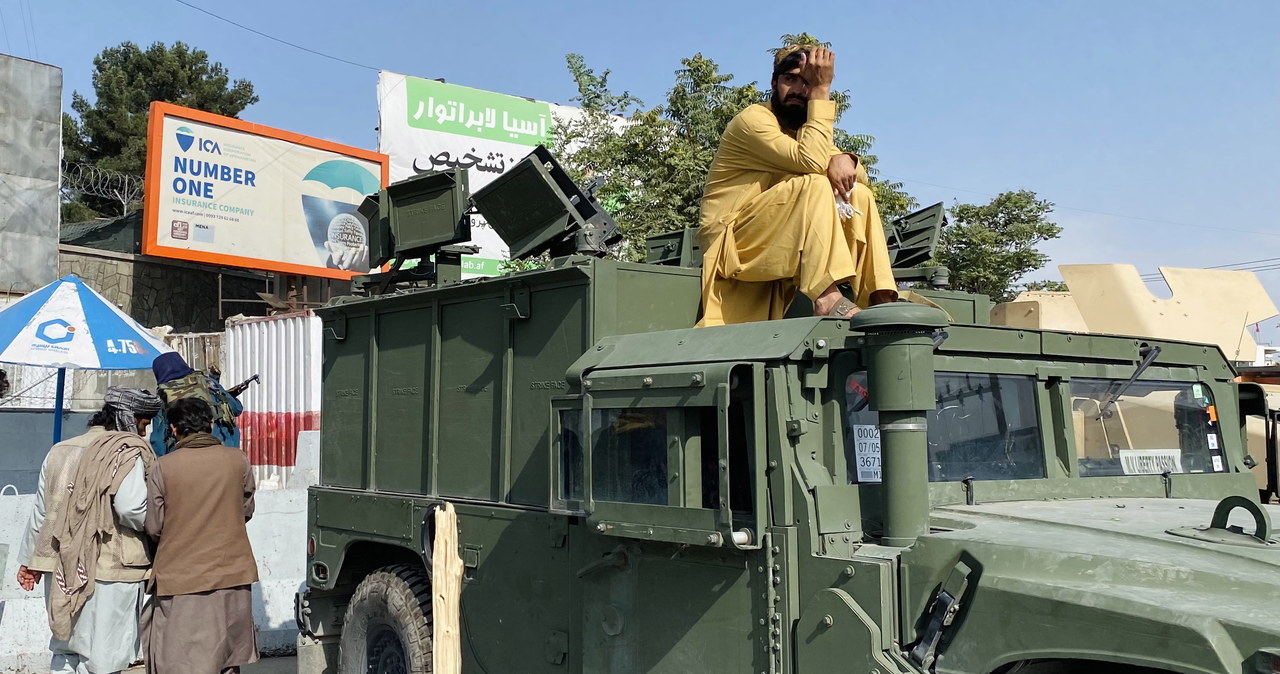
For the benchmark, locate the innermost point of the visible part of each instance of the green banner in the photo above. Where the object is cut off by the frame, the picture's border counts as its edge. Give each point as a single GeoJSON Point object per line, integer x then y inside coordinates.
{"type": "Point", "coordinates": [480, 265]}
{"type": "Point", "coordinates": [464, 111]}
{"type": "Point", "coordinates": [470, 265]}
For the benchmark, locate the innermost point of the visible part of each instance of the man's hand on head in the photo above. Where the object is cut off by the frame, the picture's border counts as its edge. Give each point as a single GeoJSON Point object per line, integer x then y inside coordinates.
{"type": "Point", "coordinates": [818, 68]}
{"type": "Point", "coordinates": [842, 171]}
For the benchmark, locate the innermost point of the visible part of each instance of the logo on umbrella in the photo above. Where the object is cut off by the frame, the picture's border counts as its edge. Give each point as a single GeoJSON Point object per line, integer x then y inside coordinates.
{"type": "Point", "coordinates": [56, 331]}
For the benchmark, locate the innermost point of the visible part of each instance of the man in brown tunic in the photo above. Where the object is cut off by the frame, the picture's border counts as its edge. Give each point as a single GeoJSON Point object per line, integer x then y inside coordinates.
{"type": "Point", "coordinates": [200, 496]}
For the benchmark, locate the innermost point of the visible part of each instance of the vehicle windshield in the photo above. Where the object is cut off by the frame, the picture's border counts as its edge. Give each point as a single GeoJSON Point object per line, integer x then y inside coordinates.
{"type": "Point", "coordinates": [1154, 427]}
{"type": "Point", "coordinates": [984, 426]}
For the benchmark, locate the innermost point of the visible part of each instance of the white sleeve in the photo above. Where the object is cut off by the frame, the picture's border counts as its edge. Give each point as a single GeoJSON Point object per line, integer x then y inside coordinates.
{"type": "Point", "coordinates": [130, 502]}
{"type": "Point", "coordinates": [29, 537]}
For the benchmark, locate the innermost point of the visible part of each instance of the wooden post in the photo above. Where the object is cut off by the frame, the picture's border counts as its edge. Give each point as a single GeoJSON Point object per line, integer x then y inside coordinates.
{"type": "Point", "coordinates": [446, 594]}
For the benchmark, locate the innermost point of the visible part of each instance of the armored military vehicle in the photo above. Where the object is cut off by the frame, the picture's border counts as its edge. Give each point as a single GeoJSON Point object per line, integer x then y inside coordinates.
{"type": "Point", "coordinates": [904, 491]}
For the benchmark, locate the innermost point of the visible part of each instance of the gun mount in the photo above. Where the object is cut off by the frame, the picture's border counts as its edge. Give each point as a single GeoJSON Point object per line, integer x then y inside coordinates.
{"type": "Point", "coordinates": [912, 240]}
{"type": "Point", "coordinates": [535, 207]}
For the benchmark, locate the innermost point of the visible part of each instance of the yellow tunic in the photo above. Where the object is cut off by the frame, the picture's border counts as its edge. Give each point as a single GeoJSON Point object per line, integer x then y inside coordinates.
{"type": "Point", "coordinates": [769, 224]}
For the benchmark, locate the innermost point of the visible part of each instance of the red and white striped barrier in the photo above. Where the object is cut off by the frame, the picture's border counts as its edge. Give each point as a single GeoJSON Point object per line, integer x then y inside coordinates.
{"type": "Point", "coordinates": [285, 351]}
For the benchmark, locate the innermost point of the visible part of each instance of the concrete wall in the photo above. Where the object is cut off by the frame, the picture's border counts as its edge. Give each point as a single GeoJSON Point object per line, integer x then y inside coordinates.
{"type": "Point", "coordinates": [25, 438]}
{"type": "Point", "coordinates": [30, 135]}
{"type": "Point", "coordinates": [277, 532]}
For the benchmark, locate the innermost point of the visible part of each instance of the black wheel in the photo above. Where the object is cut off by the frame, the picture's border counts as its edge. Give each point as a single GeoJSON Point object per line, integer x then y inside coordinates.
{"type": "Point", "coordinates": [387, 628]}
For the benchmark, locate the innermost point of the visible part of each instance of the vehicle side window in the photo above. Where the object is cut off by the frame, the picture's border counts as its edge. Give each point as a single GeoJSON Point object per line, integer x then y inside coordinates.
{"type": "Point", "coordinates": [1145, 428]}
{"type": "Point", "coordinates": [984, 426]}
{"type": "Point", "coordinates": [647, 455]}
{"type": "Point", "coordinates": [629, 459]}
{"type": "Point", "coordinates": [862, 431]}
{"type": "Point", "coordinates": [571, 472]}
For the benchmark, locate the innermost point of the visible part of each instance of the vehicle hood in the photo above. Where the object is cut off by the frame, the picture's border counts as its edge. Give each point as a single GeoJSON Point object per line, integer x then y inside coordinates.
{"type": "Point", "coordinates": [1108, 573]}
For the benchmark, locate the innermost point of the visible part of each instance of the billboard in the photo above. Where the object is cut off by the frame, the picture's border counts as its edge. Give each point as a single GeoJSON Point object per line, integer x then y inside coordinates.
{"type": "Point", "coordinates": [31, 138]}
{"type": "Point", "coordinates": [428, 125]}
{"type": "Point", "coordinates": [228, 192]}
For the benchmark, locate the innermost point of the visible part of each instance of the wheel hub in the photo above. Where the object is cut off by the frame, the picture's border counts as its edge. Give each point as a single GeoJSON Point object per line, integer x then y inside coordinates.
{"type": "Point", "coordinates": [386, 653]}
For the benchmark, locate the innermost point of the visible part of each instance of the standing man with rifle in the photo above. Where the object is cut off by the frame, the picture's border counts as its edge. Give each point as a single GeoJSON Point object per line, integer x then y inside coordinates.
{"type": "Point", "coordinates": [176, 380]}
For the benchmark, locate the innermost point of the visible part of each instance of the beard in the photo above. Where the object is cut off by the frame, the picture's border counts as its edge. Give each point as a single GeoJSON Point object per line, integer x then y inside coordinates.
{"type": "Point", "coordinates": [793, 113]}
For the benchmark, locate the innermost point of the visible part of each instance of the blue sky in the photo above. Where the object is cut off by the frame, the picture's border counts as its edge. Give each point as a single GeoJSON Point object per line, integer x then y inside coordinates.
{"type": "Point", "coordinates": [1153, 125]}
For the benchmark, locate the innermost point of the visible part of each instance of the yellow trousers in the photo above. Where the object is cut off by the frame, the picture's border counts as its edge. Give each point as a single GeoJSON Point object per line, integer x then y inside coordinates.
{"type": "Point", "coordinates": [790, 237]}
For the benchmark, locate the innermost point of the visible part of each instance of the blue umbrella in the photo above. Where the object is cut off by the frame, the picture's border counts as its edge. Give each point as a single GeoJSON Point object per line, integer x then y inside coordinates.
{"type": "Point", "coordinates": [67, 324]}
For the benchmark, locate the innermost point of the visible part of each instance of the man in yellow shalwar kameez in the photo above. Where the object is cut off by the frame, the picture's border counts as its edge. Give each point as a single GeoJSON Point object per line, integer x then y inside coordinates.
{"type": "Point", "coordinates": [770, 224]}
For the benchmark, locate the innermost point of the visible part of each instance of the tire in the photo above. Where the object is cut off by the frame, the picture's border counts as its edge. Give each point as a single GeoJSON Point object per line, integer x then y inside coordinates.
{"type": "Point", "coordinates": [387, 627]}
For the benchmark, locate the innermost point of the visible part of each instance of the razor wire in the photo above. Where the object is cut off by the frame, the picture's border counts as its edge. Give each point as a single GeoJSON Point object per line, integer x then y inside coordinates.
{"type": "Point", "coordinates": [78, 178]}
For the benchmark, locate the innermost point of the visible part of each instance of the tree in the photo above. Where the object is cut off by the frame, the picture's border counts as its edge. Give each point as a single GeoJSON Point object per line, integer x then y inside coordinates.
{"type": "Point", "coordinates": [656, 160]}
{"type": "Point", "coordinates": [111, 132]}
{"type": "Point", "coordinates": [1047, 286]}
{"type": "Point", "coordinates": [988, 248]}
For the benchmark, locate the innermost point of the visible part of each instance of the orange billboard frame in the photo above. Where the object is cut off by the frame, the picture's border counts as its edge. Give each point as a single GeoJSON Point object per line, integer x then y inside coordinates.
{"type": "Point", "coordinates": [151, 201]}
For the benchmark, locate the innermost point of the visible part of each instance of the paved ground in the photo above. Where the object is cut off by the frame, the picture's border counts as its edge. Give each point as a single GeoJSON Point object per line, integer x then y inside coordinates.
{"type": "Point", "coordinates": [265, 666]}
{"type": "Point", "coordinates": [272, 666]}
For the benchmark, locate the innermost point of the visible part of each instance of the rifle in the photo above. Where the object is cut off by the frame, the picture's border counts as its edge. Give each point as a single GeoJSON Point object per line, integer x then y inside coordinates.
{"type": "Point", "coordinates": [236, 390]}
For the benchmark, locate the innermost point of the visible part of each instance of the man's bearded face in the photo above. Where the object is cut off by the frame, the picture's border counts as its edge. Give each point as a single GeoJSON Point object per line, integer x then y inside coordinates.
{"type": "Point", "coordinates": [790, 100]}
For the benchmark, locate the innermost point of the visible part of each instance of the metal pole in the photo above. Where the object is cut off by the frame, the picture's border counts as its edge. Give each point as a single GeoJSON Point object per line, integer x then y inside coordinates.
{"type": "Point", "coordinates": [905, 457]}
{"type": "Point", "coordinates": [899, 348]}
{"type": "Point", "coordinates": [57, 406]}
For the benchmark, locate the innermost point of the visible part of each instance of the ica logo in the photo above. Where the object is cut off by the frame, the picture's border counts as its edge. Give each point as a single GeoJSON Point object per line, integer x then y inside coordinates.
{"type": "Point", "coordinates": [186, 138]}
{"type": "Point", "coordinates": [56, 331]}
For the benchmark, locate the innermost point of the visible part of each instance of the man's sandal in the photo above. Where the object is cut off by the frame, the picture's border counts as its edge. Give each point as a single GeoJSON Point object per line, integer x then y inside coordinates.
{"type": "Point", "coordinates": [842, 308]}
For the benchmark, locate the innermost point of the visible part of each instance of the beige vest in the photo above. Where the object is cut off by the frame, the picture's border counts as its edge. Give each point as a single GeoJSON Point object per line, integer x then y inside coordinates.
{"type": "Point", "coordinates": [123, 556]}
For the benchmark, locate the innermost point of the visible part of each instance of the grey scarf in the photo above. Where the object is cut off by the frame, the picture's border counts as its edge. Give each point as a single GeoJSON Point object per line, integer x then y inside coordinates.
{"type": "Point", "coordinates": [130, 404]}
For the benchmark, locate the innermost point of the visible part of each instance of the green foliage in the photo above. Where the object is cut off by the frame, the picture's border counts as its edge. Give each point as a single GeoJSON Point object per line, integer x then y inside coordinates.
{"type": "Point", "coordinates": [73, 208]}
{"type": "Point", "coordinates": [801, 39]}
{"type": "Point", "coordinates": [527, 264]}
{"type": "Point", "coordinates": [594, 92]}
{"type": "Point", "coordinates": [655, 160]}
{"type": "Point", "coordinates": [989, 247]}
{"type": "Point", "coordinates": [111, 132]}
{"type": "Point", "coordinates": [74, 211]}
{"type": "Point", "coordinates": [1050, 286]}
{"type": "Point", "coordinates": [73, 144]}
